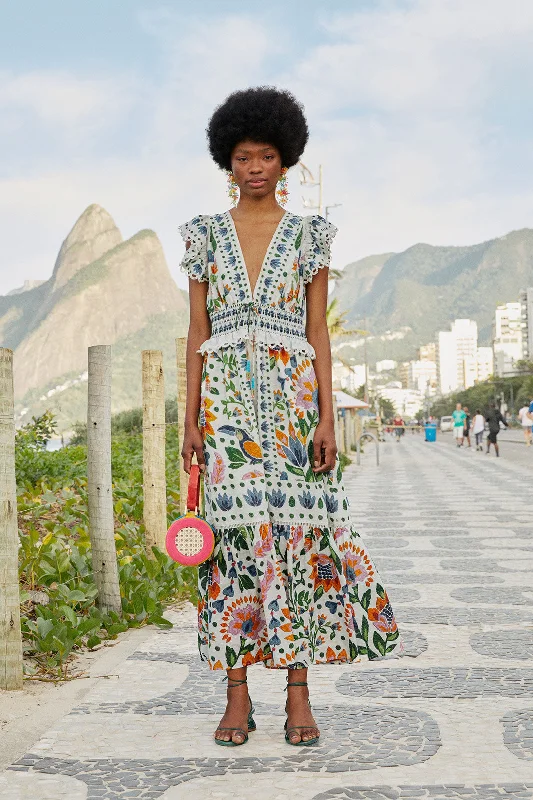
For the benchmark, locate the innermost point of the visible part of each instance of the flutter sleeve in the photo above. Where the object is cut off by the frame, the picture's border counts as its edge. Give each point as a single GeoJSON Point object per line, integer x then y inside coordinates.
{"type": "Point", "coordinates": [194, 261]}
{"type": "Point", "coordinates": [316, 245]}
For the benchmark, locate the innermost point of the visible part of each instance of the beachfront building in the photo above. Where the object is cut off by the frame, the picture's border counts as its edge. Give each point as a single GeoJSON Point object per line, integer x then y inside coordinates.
{"type": "Point", "coordinates": [507, 342]}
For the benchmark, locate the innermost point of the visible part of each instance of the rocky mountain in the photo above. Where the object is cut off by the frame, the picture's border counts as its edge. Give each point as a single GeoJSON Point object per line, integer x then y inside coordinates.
{"type": "Point", "coordinates": [103, 290]}
{"type": "Point", "coordinates": [426, 287]}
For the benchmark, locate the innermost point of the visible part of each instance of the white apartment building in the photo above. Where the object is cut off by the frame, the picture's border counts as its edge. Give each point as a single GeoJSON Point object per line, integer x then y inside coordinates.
{"type": "Point", "coordinates": [407, 402]}
{"type": "Point", "coordinates": [348, 377]}
{"type": "Point", "coordinates": [457, 356]}
{"type": "Point", "coordinates": [485, 363]}
{"type": "Point", "coordinates": [386, 365]}
{"type": "Point", "coordinates": [507, 338]}
{"type": "Point", "coordinates": [422, 376]}
{"type": "Point", "coordinates": [526, 313]}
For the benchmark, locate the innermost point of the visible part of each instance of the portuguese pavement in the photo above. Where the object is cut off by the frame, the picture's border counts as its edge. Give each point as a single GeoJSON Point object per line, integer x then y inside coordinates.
{"type": "Point", "coordinates": [452, 534]}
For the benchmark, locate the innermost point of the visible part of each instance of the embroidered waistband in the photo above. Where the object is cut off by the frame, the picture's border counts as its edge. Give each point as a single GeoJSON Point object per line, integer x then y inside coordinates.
{"type": "Point", "coordinates": [265, 324]}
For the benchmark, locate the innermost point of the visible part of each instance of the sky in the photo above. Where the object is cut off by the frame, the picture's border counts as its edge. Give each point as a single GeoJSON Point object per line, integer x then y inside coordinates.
{"type": "Point", "coordinates": [420, 114]}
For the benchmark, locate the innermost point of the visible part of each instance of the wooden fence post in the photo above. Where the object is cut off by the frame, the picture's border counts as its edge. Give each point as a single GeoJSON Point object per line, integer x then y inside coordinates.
{"type": "Point", "coordinates": [181, 363]}
{"type": "Point", "coordinates": [99, 488]}
{"type": "Point", "coordinates": [10, 635]}
{"type": "Point", "coordinates": [154, 426]}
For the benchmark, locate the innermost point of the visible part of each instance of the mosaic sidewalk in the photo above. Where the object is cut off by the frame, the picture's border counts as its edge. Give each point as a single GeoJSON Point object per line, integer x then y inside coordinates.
{"type": "Point", "coordinates": [453, 718]}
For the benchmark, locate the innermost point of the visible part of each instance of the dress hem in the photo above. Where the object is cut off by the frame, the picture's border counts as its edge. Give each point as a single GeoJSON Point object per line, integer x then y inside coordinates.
{"type": "Point", "coordinates": [359, 660]}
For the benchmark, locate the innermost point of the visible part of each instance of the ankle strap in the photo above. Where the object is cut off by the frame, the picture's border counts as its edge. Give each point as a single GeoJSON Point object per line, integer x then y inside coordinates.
{"type": "Point", "coordinates": [234, 682]}
{"type": "Point", "coordinates": [296, 683]}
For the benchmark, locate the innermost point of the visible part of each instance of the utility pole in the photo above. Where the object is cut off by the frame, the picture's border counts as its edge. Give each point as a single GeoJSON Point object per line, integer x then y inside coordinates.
{"type": "Point", "coordinates": [334, 205]}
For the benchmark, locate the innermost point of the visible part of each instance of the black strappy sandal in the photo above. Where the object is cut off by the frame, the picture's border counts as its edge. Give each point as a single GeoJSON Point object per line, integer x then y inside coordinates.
{"type": "Point", "coordinates": [251, 722]}
{"type": "Point", "coordinates": [301, 743]}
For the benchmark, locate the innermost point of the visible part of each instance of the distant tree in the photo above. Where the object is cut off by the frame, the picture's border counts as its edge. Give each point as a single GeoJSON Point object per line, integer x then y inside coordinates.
{"type": "Point", "coordinates": [336, 320]}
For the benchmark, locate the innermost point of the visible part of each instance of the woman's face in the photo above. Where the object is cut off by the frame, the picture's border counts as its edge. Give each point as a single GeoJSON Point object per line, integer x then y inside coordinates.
{"type": "Point", "coordinates": [256, 167]}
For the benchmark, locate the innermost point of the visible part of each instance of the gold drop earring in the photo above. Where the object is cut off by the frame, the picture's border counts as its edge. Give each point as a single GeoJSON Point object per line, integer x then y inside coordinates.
{"type": "Point", "coordinates": [233, 189]}
{"type": "Point", "coordinates": [282, 191]}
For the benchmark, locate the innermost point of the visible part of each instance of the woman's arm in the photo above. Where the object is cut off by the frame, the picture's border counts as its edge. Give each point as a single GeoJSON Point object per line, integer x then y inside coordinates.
{"type": "Point", "coordinates": [199, 331]}
{"type": "Point", "coordinates": [325, 447]}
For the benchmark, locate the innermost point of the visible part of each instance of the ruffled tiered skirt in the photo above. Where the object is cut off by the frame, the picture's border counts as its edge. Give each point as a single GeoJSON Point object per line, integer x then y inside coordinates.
{"type": "Point", "coordinates": [290, 582]}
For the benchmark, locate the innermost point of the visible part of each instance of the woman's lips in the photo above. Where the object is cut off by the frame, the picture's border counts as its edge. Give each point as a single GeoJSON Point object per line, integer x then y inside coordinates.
{"type": "Point", "coordinates": [257, 183]}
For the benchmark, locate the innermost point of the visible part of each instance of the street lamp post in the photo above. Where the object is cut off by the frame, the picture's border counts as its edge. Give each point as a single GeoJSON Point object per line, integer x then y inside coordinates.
{"type": "Point", "coordinates": [307, 179]}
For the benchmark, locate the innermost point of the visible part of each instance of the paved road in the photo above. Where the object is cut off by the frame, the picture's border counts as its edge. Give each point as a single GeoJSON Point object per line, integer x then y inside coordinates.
{"type": "Point", "coordinates": [512, 447]}
{"type": "Point", "coordinates": [453, 718]}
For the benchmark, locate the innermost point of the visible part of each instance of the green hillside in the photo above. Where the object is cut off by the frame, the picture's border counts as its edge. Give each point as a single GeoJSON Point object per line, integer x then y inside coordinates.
{"type": "Point", "coordinates": [70, 405]}
{"type": "Point", "coordinates": [425, 287]}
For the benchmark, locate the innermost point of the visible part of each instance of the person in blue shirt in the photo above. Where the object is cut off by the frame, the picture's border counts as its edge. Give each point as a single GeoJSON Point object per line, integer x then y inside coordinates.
{"type": "Point", "coordinates": [459, 418]}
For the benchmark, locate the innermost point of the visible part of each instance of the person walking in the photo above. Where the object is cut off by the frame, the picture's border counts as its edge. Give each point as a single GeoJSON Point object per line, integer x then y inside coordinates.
{"type": "Point", "coordinates": [398, 427]}
{"type": "Point", "coordinates": [458, 417]}
{"type": "Point", "coordinates": [494, 418]}
{"type": "Point", "coordinates": [526, 421]}
{"type": "Point", "coordinates": [467, 426]}
{"type": "Point", "coordinates": [478, 428]}
{"type": "Point", "coordinates": [290, 582]}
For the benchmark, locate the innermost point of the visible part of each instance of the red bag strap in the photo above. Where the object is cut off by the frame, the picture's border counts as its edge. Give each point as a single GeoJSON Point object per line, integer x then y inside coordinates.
{"type": "Point", "coordinates": [193, 491]}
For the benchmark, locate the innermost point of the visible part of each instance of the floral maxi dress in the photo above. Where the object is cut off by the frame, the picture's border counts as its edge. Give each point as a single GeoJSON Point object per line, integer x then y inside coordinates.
{"type": "Point", "coordinates": [290, 582]}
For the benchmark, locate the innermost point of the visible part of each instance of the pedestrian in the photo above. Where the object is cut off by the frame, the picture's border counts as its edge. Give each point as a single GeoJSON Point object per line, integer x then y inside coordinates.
{"type": "Point", "coordinates": [494, 418]}
{"type": "Point", "coordinates": [478, 428]}
{"type": "Point", "coordinates": [458, 417]}
{"type": "Point", "coordinates": [290, 582]}
{"type": "Point", "coordinates": [526, 421]}
{"type": "Point", "coordinates": [398, 426]}
{"type": "Point", "coordinates": [467, 426]}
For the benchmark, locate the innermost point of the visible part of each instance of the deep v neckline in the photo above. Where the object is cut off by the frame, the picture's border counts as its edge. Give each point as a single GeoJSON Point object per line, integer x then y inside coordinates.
{"type": "Point", "coordinates": [253, 292]}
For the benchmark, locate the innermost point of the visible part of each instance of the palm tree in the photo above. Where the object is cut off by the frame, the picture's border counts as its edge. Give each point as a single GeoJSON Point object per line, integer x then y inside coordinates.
{"type": "Point", "coordinates": [336, 320]}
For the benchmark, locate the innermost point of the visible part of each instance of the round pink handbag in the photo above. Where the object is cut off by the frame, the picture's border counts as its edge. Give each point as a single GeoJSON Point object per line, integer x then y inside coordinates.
{"type": "Point", "coordinates": [190, 540]}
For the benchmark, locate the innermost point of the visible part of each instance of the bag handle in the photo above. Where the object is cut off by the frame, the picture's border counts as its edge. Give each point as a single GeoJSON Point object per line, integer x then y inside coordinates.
{"type": "Point", "coordinates": [193, 490]}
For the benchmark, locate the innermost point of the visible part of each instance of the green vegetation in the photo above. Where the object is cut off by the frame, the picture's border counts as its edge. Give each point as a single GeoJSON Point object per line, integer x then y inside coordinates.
{"type": "Point", "coordinates": [59, 612]}
{"type": "Point", "coordinates": [425, 287]}
{"type": "Point", "coordinates": [515, 392]}
{"type": "Point", "coordinates": [159, 333]}
{"type": "Point", "coordinates": [93, 273]}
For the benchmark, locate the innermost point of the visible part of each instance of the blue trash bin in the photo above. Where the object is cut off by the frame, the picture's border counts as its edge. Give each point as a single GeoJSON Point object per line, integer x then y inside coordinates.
{"type": "Point", "coordinates": [431, 433]}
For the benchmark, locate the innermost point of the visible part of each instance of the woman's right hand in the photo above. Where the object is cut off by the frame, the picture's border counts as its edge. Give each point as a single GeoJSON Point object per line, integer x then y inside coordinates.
{"type": "Point", "coordinates": [192, 443]}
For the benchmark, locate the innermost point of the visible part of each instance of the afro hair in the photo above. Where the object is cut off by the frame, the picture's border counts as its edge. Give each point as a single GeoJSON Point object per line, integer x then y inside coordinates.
{"type": "Point", "coordinates": [261, 114]}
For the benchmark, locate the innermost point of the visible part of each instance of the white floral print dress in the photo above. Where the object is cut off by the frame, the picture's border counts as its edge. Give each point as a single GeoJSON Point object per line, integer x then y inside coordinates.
{"type": "Point", "coordinates": [290, 582]}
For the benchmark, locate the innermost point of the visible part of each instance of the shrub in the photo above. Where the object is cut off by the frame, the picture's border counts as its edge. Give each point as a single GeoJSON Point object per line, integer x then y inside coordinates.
{"type": "Point", "coordinates": [59, 612]}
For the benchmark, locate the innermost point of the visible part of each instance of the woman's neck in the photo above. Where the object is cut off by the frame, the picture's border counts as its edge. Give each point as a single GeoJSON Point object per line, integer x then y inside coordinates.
{"type": "Point", "coordinates": [259, 207]}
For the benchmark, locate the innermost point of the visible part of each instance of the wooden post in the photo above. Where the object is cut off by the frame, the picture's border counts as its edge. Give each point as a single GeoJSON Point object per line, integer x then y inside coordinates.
{"type": "Point", "coordinates": [99, 488]}
{"type": "Point", "coordinates": [10, 634]}
{"type": "Point", "coordinates": [342, 434]}
{"type": "Point", "coordinates": [336, 423]}
{"type": "Point", "coordinates": [154, 480]}
{"type": "Point", "coordinates": [181, 363]}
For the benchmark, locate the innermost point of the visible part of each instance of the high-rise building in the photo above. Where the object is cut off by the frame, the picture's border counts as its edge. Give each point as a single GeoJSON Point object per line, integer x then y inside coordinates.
{"type": "Point", "coordinates": [422, 376]}
{"type": "Point", "coordinates": [457, 356]}
{"type": "Point", "coordinates": [526, 313]}
{"type": "Point", "coordinates": [507, 338]}
{"type": "Point", "coordinates": [386, 365]}
{"type": "Point", "coordinates": [485, 363]}
{"type": "Point", "coordinates": [446, 362]}
{"type": "Point", "coordinates": [403, 371]}
{"type": "Point", "coordinates": [428, 352]}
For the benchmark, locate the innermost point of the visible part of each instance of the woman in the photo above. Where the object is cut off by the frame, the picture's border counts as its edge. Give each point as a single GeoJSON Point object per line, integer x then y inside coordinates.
{"type": "Point", "coordinates": [478, 428]}
{"type": "Point", "coordinates": [290, 583]}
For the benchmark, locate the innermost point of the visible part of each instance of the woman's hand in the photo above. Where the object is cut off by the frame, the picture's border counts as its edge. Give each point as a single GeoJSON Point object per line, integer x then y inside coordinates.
{"type": "Point", "coordinates": [192, 443]}
{"type": "Point", "coordinates": [324, 447]}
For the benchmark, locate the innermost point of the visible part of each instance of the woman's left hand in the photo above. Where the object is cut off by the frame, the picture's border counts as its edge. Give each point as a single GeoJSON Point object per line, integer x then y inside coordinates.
{"type": "Point", "coordinates": [324, 448]}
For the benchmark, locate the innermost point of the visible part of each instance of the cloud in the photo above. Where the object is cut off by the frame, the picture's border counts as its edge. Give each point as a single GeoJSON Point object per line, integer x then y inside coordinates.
{"type": "Point", "coordinates": [60, 99]}
{"type": "Point", "coordinates": [414, 109]}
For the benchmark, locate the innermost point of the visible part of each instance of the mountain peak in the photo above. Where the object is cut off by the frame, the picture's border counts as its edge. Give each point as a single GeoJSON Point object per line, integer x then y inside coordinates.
{"type": "Point", "coordinates": [93, 234]}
